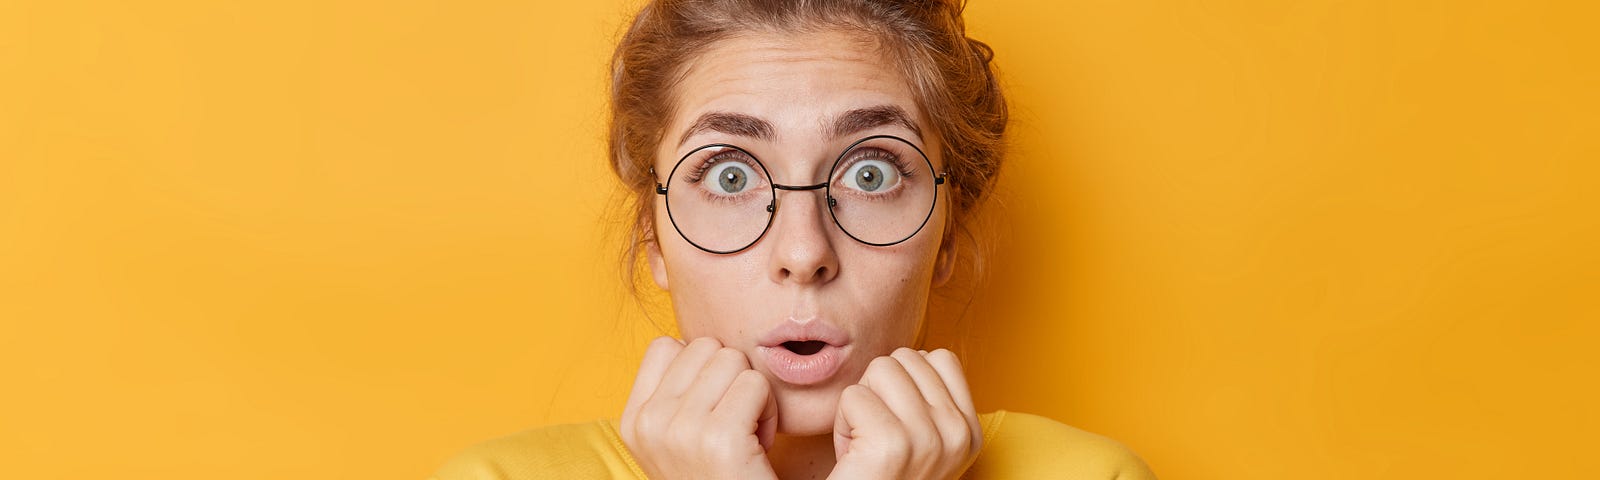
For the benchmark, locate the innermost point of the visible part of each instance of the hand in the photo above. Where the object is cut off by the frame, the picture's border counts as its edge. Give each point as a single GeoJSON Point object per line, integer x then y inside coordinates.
{"type": "Point", "coordinates": [911, 416]}
{"type": "Point", "coordinates": [699, 411]}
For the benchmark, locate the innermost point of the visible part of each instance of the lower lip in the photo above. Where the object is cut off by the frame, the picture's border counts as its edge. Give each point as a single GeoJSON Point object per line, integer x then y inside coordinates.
{"type": "Point", "coordinates": [797, 369]}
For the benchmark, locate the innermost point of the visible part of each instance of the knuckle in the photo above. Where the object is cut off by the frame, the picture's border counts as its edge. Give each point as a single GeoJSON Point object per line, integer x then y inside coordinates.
{"type": "Point", "coordinates": [956, 449]}
{"type": "Point", "coordinates": [856, 392]}
{"type": "Point", "coordinates": [648, 424]}
{"type": "Point", "coordinates": [944, 355]}
{"type": "Point", "coordinates": [753, 380]}
{"type": "Point", "coordinates": [663, 342]}
{"type": "Point", "coordinates": [958, 441]}
{"type": "Point", "coordinates": [857, 396]}
{"type": "Point", "coordinates": [882, 363]}
{"type": "Point", "coordinates": [705, 342]}
{"type": "Point", "coordinates": [725, 355]}
{"type": "Point", "coordinates": [662, 348]}
{"type": "Point", "coordinates": [969, 427]}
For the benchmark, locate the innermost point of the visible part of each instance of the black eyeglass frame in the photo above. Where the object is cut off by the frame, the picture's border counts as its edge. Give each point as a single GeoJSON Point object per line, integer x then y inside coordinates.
{"type": "Point", "coordinates": [939, 178]}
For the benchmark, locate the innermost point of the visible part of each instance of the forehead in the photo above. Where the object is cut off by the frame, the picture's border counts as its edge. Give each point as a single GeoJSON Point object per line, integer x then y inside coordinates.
{"type": "Point", "coordinates": [794, 81]}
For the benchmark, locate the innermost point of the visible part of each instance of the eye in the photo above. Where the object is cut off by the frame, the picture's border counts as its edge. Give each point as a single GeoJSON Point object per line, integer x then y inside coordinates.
{"type": "Point", "coordinates": [729, 177]}
{"type": "Point", "coordinates": [871, 176]}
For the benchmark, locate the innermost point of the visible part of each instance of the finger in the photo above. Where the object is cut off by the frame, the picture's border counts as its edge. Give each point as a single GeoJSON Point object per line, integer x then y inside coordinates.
{"type": "Point", "coordinates": [767, 424]}
{"type": "Point", "coordinates": [865, 427]}
{"type": "Point", "coordinates": [713, 381]}
{"type": "Point", "coordinates": [954, 430]}
{"type": "Point", "coordinates": [954, 378]}
{"type": "Point", "coordinates": [955, 381]}
{"type": "Point", "coordinates": [889, 380]}
{"type": "Point", "coordinates": [749, 401]}
{"type": "Point", "coordinates": [657, 357]}
{"type": "Point", "coordinates": [686, 367]}
{"type": "Point", "coordinates": [926, 378]}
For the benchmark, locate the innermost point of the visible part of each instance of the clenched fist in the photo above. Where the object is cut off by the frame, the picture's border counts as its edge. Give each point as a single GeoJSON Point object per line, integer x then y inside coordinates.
{"type": "Point", "coordinates": [910, 417]}
{"type": "Point", "coordinates": [699, 411]}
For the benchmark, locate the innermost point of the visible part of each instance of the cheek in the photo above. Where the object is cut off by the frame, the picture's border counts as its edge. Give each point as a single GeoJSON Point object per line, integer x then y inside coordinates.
{"type": "Point", "coordinates": [908, 265]}
{"type": "Point", "coordinates": [712, 296]}
{"type": "Point", "coordinates": [891, 287]}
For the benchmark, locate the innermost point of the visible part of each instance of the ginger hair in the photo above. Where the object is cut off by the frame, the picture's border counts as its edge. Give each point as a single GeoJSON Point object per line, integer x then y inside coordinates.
{"type": "Point", "coordinates": [951, 76]}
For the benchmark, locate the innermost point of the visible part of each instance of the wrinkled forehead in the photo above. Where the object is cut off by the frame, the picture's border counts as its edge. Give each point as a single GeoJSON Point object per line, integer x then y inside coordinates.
{"type": "Point", "coordinates": [790, 88]}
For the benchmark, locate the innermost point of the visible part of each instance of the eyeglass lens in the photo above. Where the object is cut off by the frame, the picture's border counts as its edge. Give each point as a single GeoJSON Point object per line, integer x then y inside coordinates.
{"type": "Point", "coordinates": [721, 198]}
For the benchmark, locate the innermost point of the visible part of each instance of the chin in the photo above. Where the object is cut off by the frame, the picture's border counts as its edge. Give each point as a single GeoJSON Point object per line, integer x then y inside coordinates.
{"type": "Point", "coordinates": [807, 412]}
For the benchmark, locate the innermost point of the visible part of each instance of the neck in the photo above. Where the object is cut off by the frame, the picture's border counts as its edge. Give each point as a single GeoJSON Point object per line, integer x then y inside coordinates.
{"type": "Point", "coordinates": [804, 458]}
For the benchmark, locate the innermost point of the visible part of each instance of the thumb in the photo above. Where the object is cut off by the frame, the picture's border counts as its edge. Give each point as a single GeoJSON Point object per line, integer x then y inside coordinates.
{"type": "Point", "coordinates": [841, 430]}
{"type": "Point", "coordinates": [767, 424]}
{"type": "Point", "coordinates": [860, 408]}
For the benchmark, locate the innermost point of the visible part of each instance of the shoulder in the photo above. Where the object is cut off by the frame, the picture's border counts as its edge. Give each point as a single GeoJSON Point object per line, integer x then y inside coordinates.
{"type": "Point", "coordinates": [1020, 445]}
{"type": "Point", "coordinates": [579, 450]}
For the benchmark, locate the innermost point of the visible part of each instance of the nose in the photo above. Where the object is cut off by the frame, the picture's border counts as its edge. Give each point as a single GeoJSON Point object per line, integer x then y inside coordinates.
{"type": "Point", "coordinates": [802, 252]}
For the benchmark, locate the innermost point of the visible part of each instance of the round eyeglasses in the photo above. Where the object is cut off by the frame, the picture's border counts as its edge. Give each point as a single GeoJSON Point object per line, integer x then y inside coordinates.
{"type": "Point", "coordinates": [881, 191]}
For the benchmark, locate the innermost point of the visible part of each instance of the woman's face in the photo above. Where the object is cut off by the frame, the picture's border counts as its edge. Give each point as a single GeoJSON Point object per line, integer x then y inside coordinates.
{"type": "Point", "coordinates": [796, 101]}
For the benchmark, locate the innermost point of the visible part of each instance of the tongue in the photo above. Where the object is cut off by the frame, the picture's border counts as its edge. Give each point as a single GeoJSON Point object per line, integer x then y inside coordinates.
{"type": "Point", "coordinates": [805, 348]}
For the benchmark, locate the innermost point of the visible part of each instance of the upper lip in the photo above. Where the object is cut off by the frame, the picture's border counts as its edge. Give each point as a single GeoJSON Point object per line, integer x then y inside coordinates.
{"type": "Point", "coordinates": [795, 331]}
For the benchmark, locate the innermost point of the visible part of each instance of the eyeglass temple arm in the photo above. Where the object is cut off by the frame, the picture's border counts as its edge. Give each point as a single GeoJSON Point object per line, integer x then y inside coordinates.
{"type": "Point", "coordinates": [660, 189]}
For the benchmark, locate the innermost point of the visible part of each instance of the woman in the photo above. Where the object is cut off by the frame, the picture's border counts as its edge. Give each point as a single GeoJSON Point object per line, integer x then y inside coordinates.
{"type": "Point", "coordinates": [800, 169]}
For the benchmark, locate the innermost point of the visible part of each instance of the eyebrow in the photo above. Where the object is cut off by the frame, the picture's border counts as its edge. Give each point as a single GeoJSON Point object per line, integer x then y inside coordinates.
{"type": "Point", "coordinates": [737, 124]}
{"type": "Point", "coordinates": [853, 121]}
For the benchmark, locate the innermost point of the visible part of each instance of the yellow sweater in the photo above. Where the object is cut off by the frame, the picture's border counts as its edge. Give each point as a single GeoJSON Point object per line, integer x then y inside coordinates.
{"type": "Point", "coordinates": [1016, 445]}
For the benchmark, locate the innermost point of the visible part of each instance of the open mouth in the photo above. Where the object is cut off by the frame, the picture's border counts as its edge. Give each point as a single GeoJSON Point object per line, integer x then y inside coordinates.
{"type": "Point", "coordinates": [808, 347]}
{"type": "Point", "coordinates": [801, 354]}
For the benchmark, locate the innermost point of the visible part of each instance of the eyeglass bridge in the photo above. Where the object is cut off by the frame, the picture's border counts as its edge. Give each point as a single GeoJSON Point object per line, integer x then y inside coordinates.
{"type": "Point", "coordinates": [773, 207]}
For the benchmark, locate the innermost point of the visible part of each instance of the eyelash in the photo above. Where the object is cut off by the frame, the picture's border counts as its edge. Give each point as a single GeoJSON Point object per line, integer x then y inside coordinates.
{"type": "Point", "coordinates": [878, 154]}
{"type": "Point", "coordinates": [699, 171]}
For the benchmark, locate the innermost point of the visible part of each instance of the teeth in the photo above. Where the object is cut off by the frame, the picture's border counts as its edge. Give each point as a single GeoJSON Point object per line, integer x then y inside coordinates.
{"type": "Point", "coordinates": [805, 348]}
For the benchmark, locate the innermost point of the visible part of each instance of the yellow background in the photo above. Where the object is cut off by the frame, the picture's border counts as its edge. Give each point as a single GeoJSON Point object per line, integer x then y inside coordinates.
{"type": "Point", "coordinates": [1266, 239]}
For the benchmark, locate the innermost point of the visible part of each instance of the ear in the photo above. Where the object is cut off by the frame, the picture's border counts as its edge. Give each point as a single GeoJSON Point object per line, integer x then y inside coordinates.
{"type": "Point", "coordinates": [945, 264]}
{"type": "Point", "coordinates": [658, 265]}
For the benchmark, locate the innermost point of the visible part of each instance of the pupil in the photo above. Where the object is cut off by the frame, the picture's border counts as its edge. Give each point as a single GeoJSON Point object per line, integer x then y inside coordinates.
{"type": "Point", "coordinates": [732, 179]}
{"type": "Point", "coordinates": [870, 178]}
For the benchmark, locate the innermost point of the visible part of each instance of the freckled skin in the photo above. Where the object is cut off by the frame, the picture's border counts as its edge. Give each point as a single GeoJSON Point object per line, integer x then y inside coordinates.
{"type": "Point", "coordinates": [804, 267]}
